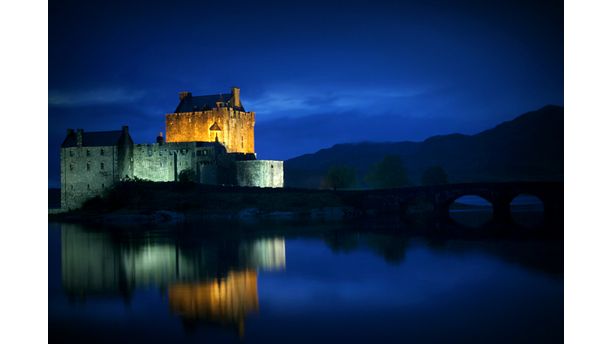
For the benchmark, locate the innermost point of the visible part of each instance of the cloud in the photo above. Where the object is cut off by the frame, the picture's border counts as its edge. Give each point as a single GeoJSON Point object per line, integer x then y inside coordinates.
{"type": "Point", "coordinates": [294, 102]}
{"type": "Point", "coordinates": [93, 97]}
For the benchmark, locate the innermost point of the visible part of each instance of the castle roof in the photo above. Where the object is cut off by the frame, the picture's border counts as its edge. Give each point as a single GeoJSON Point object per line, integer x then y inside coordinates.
{"type": "Point", "coordinates": [94, 138]}
{"type": "Point", "coordinates": [200, 103]}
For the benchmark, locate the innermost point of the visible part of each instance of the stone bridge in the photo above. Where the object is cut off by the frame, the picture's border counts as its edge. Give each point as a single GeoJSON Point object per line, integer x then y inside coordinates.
{"type": "Point", "coordinates": [439, 198]}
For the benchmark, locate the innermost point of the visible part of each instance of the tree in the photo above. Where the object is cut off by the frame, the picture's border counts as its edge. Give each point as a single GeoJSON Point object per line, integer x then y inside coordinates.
{"type": "Point", "coordinates": [388, 173]}
{"type": "Point", "coordinates": [339, 177]}
{"type": "Point", "coordinates": [187, 176]}
{"type": "Point", "coordinates": [434, 175]}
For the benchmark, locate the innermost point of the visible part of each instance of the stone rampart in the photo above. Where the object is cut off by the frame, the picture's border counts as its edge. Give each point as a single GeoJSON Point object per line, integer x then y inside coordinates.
{"type": "Point", "coordinates": [260, 173]}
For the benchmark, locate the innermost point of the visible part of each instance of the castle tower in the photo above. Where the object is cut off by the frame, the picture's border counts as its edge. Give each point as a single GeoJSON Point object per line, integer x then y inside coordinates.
{"type": "Point", "coordinates": [211, 118]}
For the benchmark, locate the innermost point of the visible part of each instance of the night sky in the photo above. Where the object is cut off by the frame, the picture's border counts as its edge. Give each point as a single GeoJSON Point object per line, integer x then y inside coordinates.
{"type": "Point", "coordinates": [315, 73]}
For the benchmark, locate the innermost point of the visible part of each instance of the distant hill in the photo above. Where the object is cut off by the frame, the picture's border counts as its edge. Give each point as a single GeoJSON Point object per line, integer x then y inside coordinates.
{"type": "Point", "coordinates": [530, 147]}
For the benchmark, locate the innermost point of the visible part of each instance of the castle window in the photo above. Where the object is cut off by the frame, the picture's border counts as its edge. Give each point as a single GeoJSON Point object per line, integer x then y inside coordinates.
{"type": "Point", "coordinates": [71, 153]}
{"type": "Point", "coordinates": [102, 186]}
{"type": "Point", "coordinates": [87, 186]}
{"type": "Point", "coordinates": [88, 166]}
{"type": "Point", "coordinates": [101, 151]}
{"type": "Point", "coordinates": [71, 187]}
{"type": "Point", "coordinates": [101, 165]}
{"type": "Point", "coordinates": [71, 167]}
{"type": "Point", "coordinates": [88, 153]}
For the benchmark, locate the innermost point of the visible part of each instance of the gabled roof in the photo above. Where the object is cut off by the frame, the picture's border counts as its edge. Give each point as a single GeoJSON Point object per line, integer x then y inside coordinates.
{"type": "Point", "coordinates": [200, 103]}
{"type": "Point", "coordinates": [95, 138]}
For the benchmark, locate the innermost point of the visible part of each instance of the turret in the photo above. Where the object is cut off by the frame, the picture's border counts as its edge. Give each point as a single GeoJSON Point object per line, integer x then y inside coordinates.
{"type": "Point", "coordinates": [236, 97]}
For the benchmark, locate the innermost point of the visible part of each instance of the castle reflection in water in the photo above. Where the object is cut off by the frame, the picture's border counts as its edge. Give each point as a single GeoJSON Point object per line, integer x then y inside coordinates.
{"type": "Point", "coordinates": [207, 281]}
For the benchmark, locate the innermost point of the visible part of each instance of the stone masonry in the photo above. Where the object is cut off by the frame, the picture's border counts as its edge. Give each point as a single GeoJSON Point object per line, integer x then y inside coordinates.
{"type": "Point", "coordinates": [214, 142]}
{"type": "Point", "coordinates": [212, 118]}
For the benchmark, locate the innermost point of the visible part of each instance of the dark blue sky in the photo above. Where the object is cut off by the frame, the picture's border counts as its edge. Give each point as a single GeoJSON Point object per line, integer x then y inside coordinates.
{"type": "Point", "coordinates": [315, 73]}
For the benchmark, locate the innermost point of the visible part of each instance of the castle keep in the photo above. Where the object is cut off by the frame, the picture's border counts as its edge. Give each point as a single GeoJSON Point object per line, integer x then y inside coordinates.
{"type": "Point", "coordinates": [209, 139]}
{"type": "Point", "coordinates": [213, 118]}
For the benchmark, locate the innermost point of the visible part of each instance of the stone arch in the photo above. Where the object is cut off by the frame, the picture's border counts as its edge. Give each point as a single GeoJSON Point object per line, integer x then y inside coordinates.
{"type": "Point", "coordinates": [535, 195]}
{"type": "Point", "coordinates": [527, 215]}
{"type": "Point", "coordinates": [469, 214]}
{"type": "Point", "coordinates": [445, 201]}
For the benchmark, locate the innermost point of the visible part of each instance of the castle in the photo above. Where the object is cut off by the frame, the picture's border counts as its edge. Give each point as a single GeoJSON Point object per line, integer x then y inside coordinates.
{"type": "Point", "coordinates": [209, 139]}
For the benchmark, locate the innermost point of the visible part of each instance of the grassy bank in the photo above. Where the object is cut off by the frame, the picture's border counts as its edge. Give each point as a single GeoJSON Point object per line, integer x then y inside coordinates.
{"type": "Point", "coordinates": [158, 202]}
{"type": "Point", "coordinates": [191, 196]}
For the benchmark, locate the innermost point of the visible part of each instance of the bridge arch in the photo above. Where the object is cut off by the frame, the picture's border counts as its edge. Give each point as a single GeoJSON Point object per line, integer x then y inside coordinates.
{"type": "Point", "coordinates": [445, 199]}
{"type": "Point", "coordinates": [527, 210]}
{"type": "Point", "coordinates": [439, 199]}
{"type": "Point", "coordinates": [470, 211]}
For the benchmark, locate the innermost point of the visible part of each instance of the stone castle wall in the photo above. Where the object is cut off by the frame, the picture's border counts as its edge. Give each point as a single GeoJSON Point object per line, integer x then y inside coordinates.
{"type": "Point", "coordinates": [236, 128]}
{"type": "Point", "coordinates": [260, 173]}
{"type": "Point", "coordinates": [161, 163]}
{"type": "Point", "coordinates": [87, 172]}
{"type": "Point", "coordinates": [217, 145]}
{"type": "Point", "coordinates": [165, 162]}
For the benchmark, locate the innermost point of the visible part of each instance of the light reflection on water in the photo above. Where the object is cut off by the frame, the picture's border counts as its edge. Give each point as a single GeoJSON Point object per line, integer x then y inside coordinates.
{"type": "Point", "coordinates": [299, 285]}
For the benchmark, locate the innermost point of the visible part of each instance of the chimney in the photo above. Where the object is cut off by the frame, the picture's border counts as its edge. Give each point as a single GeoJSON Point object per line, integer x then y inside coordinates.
{"type": "Point", "coordinates": [236, 97]}
{"type": "Point", "coordinates": [183, 95]}
{"type": "Point", "coordinates": [79, 137]}
{"type": "Point", "coordinates": [160, 138]}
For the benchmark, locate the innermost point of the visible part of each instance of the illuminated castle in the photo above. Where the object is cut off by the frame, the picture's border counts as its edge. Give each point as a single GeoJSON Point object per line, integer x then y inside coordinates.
{"type": "Point", "coordinates": [213, 119]}
{"type": "Point", "coordinates": [209, 139]}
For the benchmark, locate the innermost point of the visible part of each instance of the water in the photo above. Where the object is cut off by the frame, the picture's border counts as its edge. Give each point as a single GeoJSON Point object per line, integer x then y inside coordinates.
{"type": "Point", "coordinates": [299, 284]}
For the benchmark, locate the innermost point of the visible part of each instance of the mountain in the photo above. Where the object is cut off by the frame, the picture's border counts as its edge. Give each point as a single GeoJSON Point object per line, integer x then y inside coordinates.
{"type": "Point", "coordinates": [529, 147]}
